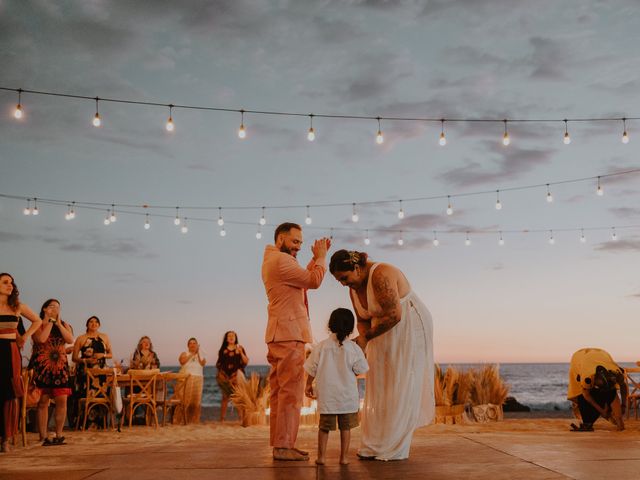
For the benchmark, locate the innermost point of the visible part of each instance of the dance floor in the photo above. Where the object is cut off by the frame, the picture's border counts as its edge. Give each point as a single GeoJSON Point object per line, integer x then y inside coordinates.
{"type": "Point", "coordinates": [527, 449]}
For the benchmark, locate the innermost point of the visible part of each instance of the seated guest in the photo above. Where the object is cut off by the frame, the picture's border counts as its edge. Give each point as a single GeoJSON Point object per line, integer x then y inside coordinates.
{"type": "Point", "coordinates": [144, 358]}
{"type": "Point", "coordinates": [594, 381]}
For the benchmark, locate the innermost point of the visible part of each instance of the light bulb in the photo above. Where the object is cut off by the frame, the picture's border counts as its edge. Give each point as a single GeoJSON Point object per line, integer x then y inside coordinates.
{"type": "Point", "coordinates": [400, 242]}
{"type": "Point", "coordinates": [501, 241]}
{"type": "Point", "coordinates": [263, 221]}
{"type": "Point", "coordinates": [72, 214]}
{"type": "Point", "coordinates": [184, 229]}
{"type": "Point", "coordinates": [467, 242]}
{"type": "Point", "coordinates": [107, 221]}
{"type": "Point", "coordinates": [505, 139]}
{"type": "Point", "coordinates": [169, 126]}
{"type": "Point", "coordinates": [549, 197]}
{"type": "Point", "coordinates": [401, 213]}
{"type": "Point", "coordinates": [223, 232]}
{"type": "Point", "coordinates": [583, 239]}
{"type": "Point", "coordinates": [308, 220]}
{"type": "Point", "coordinates": [176, 221]}
{"type": "Point", "coordinates": [567, 138]}
{"type": "Point", "coordinates": [147, 225]}
{"type": "Point", "coordinates": [436, 242]}
{"type": "Point", "coordinates": [614, 237]}
{"type": "Point", "coordinates": [258, 235]}
{"type": "Point", "coordinates": [311, 135]}
{"type": "Point", "coordinates": [27, 210]}
{"type": "Point", "coordinates": [552, 240]}
{"type": "Point", "coordinates": [498, 205]}
{"type": "Point", "coordinates": [96, 120]}
{"type": "Point", "coordinates": [379, 138]}
{"type": "Point", "coordinates": [449, 209]}
{"type": "Point", "coordinates": [599, 190]}
{"type": "Point", "coordinates": [112, 217]}
{"type": "Point", "coordinates": [17, 113]}
{"type": "Point", "coordinates": [35, 210]}
{"type": "Point", "coordinates": [242, 133]}
{"type": "Point", "coordinates": [355, 218]}
{"type": "Point", "coordinates": [367, 241]}
{"type": "Point", "coordinates": [66, 216]}
{"type": "Point", "coordinates": [625, 136]}
{"type": "Point", "coordinates": [220, 221]}
{"type": "Point", "coordinates": [443, 140]}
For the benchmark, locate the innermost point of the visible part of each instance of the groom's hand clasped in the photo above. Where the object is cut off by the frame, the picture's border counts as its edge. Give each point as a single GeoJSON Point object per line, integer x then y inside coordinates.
{"type": "Point", "coordinates": [320, 248]}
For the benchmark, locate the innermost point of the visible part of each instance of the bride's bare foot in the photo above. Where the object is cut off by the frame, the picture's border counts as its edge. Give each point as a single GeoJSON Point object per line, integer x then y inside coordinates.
{"type": "Point", "coordinates": [344, 461]}
{"type": "Point", "coordinates": [320, 461]}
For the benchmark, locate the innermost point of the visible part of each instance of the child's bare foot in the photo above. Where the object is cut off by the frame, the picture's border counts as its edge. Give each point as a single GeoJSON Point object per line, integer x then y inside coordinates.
{"type": "Point", "coordinates": [320, 461]}
{"type": "Point", "coordinates": [344, 461]}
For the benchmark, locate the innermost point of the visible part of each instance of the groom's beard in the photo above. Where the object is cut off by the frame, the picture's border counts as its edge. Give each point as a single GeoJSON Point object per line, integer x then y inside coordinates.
{"type": "Point", "coordinates": [293, 253]}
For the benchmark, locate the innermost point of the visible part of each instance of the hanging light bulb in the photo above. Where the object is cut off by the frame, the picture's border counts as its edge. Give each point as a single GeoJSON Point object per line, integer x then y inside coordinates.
{"type": "Point", "coordinates": [263, 221]}
{"type": "Point", "coordinates": [505, 138]}
{"type": "Point", "coordinates": [311, 134]}
{"type": "Point", "coordinates": [354, 215]}
{"type": "Point", "coordinates": [449, 207]}
{"type": "Point", "coordinates": [147, 224]}
{"type": "Point", "coordinates": [436, 242]}
{"type": "Point", "coordinates": [400, 211]}
{"type": "Point", "coordinates": [549, 196]}
{"type": "Point", "coordinates": [184, 228]}
{"type": "Point", "coordinates": [18, 113]}
{"type": "Point", "coordinates": [498, 204]}
{"type": "Point", "coordinates": [379, 136]}
{"type": "Point", "coordinates": [259, 233]}
{"type": "Point", "coordinates": [583, 239]}
{"type": "Point", "coordinates": [27, 209]}
{"type": "Point", "coordinates": [34, 210]}
{"type": "Point", "coordinates": [96, 118]}
{"type": "Point", "coordinates": [366, 238]}
{"type": "Point", "coordinates": [242, 132]}
{"type": "Point", "coordinates": [625, 135]}
{"type": "Point", "coordinates": [308, 220]}
{"type": "Point", "coordinates": [443, 139]}
{"type": "Point", "coordinates": [176, 221]}
{"type": "Point", "coordinates": [107, 220]}
{"type": "Point", "coordinates": [170, 126]}
{"type": "Point", "coordinates": [614, 237]}
{"type": "Point", "coordinates": [500, 239]}
{"type": "Point", "coordinates": [566, 139]}
{"type": "Point", "coordinates": [72, 211]}
{"type": "Point", "coordinates": [113, 217]}
{"type": "Point", "coordinates": [599, 190]}
{"type": "Point", "coordinates": [67, 215]}
{"type": "Point", "coordinates": [223, 232]}
{"type": "Point", "coordinates": [467, 240]}
{"type": "Point", "coordinates": [552, 240]}
{"type": "Point", "coordinates": [401, 240]}
{"type": "Point", "coordinates": [220, 219]}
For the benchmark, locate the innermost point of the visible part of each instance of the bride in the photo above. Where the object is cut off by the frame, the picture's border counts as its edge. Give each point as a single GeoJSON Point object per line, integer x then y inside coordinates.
{"type": "Point", "coordinates": [396, 330]}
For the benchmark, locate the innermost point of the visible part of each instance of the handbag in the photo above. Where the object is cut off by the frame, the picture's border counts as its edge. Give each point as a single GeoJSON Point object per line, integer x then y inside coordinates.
{"type": "Point", "coordinates": [116, 396]}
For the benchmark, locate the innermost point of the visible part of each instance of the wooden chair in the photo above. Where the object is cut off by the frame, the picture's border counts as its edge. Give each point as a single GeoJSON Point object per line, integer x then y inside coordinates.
{"type": "Point", "coordinates": [632, 377]}
{"type": "Point", "coordinates": [98, 394]}
{"type": "Point", "coordinates": [26, 404]}
{"type": "Point", "coordinates": [178, 384]}
{"type": "Point", "coordinates": [141, 391]}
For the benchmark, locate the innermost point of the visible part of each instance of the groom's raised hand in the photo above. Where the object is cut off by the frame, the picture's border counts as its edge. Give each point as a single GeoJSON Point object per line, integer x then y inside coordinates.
{"type": "Point", "coordinates": [320, 247]}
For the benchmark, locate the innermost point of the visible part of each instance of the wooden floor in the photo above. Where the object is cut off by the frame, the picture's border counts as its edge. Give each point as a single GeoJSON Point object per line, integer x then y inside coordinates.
{"type": "Point", "coordinates": [512, 450]}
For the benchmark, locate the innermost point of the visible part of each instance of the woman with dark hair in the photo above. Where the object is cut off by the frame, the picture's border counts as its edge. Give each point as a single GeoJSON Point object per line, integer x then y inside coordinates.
{"type": "Point", "coordinates": [11, 310]}
{"type": "Point", "coordinates": [144, 358]}
{"type": "Point", "coordinates": [396, 330]}
{"type": "Point", "coordinates": [231, 359]}
{"type": "Point", "coordinates": [51, 370]}
{"type": "Point", "coordinates": [91, 349]}
{"type": "Point", "coordinates": [192, 363]}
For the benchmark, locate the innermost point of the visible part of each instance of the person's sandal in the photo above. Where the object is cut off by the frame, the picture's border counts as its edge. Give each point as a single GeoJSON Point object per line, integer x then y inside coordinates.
{"type": "Point", "coordinates": [58, 441]}
{"type": "Point", "coordinates": [47, 442]}
{"type": "Point", "coordinates": [582, 428]}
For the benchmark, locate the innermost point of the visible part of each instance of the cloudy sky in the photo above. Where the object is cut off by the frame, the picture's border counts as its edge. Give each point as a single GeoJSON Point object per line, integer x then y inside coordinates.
{"type": "Point", "coordinates": [524, 301]}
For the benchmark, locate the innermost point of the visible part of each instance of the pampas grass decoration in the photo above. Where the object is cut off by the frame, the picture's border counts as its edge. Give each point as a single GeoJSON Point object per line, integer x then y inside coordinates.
{"type": "Point", "coordinates": [250, 397]}
{"type": "Point", "coordinates": [487, 386]}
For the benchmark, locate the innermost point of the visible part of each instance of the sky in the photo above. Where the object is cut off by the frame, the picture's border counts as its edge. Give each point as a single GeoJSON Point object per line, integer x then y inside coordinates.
{"type": "Point", "coordinates": [524, 301]}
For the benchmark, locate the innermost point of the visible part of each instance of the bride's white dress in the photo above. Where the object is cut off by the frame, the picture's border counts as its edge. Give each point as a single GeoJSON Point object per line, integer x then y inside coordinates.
{"type": "Point", "coordinates": [399, 387]}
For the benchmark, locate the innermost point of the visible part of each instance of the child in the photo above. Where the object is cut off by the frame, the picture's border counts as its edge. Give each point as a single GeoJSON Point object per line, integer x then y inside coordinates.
{"type": "Point", "coordinates": [334, 363]}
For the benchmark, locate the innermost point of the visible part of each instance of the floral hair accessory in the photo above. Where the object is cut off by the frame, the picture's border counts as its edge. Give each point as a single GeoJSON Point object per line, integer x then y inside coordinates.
{"type": "Point", "coordinates": [354, 257]}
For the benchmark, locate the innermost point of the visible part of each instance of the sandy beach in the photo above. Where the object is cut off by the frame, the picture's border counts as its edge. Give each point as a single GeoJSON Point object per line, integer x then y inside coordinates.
{"type": "Point", "coordinates": [532, 448]}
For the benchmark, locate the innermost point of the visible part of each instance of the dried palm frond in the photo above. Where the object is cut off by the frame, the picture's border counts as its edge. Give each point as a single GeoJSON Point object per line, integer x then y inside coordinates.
{"type": "Point", "coordinates": [487, 386]}
{"type": "Point", "coordinates": [464, 388]}
{"type": "Point", "coordinates": [250, 395]}
{"type": "Point", "coordinates": [438, 386]}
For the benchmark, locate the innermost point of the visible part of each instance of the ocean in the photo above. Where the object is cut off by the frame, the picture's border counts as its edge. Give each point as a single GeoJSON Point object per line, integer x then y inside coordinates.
{"type": "Point", "coordinates": [541, 386]}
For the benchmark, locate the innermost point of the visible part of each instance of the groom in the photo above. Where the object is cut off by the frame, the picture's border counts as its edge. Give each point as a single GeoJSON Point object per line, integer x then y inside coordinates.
{"type": "Point", "coordinates": [288, 329]}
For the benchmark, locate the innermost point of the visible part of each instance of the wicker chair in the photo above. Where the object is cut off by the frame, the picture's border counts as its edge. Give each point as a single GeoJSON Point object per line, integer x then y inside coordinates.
{"type": "Point", "coordinates": [141, 391]}
{"type": "Point", "coordinates": [98, 394]}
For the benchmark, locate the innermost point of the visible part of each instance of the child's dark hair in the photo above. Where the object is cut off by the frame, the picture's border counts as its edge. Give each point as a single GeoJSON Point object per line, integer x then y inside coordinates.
{"type": "Point", "coordinates": [341, 323]}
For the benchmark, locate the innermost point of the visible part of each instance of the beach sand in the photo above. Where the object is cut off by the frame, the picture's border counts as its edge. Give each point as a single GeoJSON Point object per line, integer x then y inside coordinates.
{"type": "Point", "coordinates": [532, 448]}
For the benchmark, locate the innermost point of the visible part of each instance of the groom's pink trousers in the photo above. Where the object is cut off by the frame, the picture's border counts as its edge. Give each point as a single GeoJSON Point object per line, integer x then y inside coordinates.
{"type": "Point", "coordinates": [287, 388]}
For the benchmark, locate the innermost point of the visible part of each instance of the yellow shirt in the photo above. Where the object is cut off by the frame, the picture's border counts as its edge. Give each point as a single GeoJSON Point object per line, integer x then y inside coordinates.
{"type": "Point", "coordinates": [583, 369]}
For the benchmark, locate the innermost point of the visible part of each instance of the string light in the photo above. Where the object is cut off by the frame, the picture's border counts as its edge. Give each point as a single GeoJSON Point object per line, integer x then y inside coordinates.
{"type": "Point", "coordinates": [220, 219]}
{"type": "Point", "coordinates": [34, 210]}
{"type": "Point", "coordinates": [263, 221]}
{"type": "Point", "coordinates": [311, 134]}
{"type": "Point", "coordinates": [614, 237]}
{"type": "Point", "coordinates": [401, 211]}
{"type": "Point", "coordinates": [70, 215]}
{"type": "Point", "coordinates": [27, 209]}
{"type": "Point", "coordinates": [242, 133]}
{"type": "Point", "coordinates": [366, 238]}
{"type": "Point", "coordinates": [176, 221]}
{"type": "Point", "coordinates": [354, 215]}
{"type": "Point", "coordinates": [113, 217]}
{"type": "Point", "coordinates": [599, 190]}
{"type": "Point", "coordinates": [467, 240]}
{"type": "Point", "coordinates": [552, 240]}
{"type": "Point", "coordinates": [625, 135]}
{"type": "Point", "coordinates": [147, 223]}
{"type": "Point", "coordinates": [498, 204]}
{"type": "Point", "coordinates": [96, 119]}
{"type": "Point", "coordinates": [436, 242]}
{"type": "Point", "coordinates": [401, 240]}
{"type": "Point", "coordinates": [501, 239]}
{"type": "Point", "coordinates": [169, 126]}
{"type": "Point", "coordinates": [18, 113]}
{"type": "Point", "coordinates": [379, 136]}
{"type": "Point", "coordinates": [184, 228]}
{"type": "Point", "coordinates": [259, 233]}
{"type": "Point", "coordinates": [223, 232]}
{"type": "Point", "coordinates": [107, 220]}
{"type": "Point", "coordinates": [566, 139]}
{"type": "Point", "coordinates": [505, 138]}
{"type": "Point", "coordinates": [449, 207]}
{"type": "Point", "coordinates": [583, 239]}
{"type": "Point", "coordinates": [308, 220]}
{"type": "Point", "coordinates": [549, 196]}
{"type": "Point", "coordinates": [443, 139]}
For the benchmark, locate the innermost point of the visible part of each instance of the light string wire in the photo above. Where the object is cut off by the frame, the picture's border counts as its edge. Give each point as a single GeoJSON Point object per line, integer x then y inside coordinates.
{"type": "Point", "coordinates": [378, 118]}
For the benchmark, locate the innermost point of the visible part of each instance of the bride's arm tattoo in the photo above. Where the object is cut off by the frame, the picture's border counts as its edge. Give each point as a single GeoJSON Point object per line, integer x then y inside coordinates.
{"type": "Point", "coordinates": [387, 296]}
